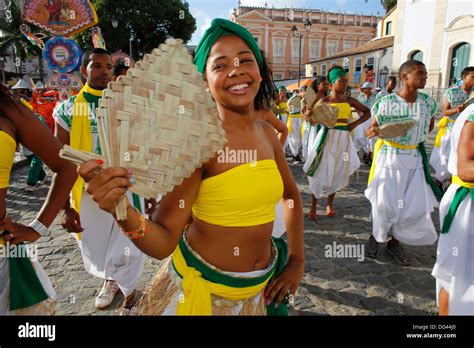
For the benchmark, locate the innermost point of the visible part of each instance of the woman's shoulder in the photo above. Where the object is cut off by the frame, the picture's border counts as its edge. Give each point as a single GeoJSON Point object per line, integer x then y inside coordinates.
{"type": "Point", "coordinates": [7, 126]}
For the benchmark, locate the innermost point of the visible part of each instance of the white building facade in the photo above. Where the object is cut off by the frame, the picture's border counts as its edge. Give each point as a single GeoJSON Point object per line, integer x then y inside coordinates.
{"type": "Point", "coordinates": [440, 33]}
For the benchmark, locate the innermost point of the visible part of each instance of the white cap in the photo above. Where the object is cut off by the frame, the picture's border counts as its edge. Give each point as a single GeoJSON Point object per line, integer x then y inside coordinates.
{"type": "Point", "coordinates": [22, 84]}
{"type": "Point", "coordinates": [367, 85]}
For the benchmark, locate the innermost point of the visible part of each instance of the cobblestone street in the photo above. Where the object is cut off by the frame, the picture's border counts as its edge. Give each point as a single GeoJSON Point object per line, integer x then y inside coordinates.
{"type": "Point", "coordinates": [331, 285]}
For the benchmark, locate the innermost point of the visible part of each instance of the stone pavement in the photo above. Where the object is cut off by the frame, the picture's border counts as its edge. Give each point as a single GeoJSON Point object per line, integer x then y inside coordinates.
{"type": "Point", "coordinates": [332, 285]}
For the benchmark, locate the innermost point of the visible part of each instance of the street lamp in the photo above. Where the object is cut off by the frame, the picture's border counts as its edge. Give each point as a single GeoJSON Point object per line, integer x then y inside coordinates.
{"type": "Point", "coordinates": [294, 31]}
{"type": "Point", "coordinates": [115, 26]}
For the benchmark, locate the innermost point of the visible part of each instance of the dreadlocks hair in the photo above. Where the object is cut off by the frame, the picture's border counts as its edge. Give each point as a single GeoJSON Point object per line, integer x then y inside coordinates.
{"type": "Point", "coordinates": [317, 81]}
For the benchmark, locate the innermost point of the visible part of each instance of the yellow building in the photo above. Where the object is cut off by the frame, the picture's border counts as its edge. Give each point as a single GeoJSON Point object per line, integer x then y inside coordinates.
{"type": "Point", "coordinates": [329, 34]}
{"type": "Point", "coordinates": [364, 63]}
{"type": "Point", "coordinates": [371, 61]}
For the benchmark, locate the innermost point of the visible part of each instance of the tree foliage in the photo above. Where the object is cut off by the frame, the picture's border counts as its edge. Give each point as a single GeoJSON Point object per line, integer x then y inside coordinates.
{"type": "Point", "coordinates": [12, 40]}
{"type": "Point", "coordinates": [388, 4]}
{"type": "Point", "coordinates": [147, 22]}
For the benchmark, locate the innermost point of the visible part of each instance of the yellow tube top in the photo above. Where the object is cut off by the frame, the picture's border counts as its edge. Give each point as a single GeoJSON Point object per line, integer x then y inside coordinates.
{"type": "Point", "coordinates": [344, 114]}
{"type": "Point", "coordinates": [245, 195]}
{"type": "Point", "coordinates": [7, 153]}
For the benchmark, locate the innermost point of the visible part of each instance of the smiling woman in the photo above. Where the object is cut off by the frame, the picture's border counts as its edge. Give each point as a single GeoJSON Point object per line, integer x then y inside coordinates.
{"type": "Point", "coordinates": [217, 225]}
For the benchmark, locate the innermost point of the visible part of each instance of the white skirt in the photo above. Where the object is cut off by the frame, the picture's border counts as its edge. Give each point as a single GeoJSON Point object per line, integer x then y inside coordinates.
{"type": "Point", "coordinates": [361, 142]}
{"type": "Point", "coordinates": [294, 138]}
{"type": "Point", "coordinates": [338, 162]}
{"type": "Point", "coordinates": [43, 308]}
{"type": "Point", "coordinates": [306, 132]}
{"type": "Point", "coordinates": [454, 267]}
{"type": "Point", "coordinates": [402, 201]}
{"type": "Point", "coordinates": [106, 252]}
{"type": "Point", "coordinates": [440, 157]}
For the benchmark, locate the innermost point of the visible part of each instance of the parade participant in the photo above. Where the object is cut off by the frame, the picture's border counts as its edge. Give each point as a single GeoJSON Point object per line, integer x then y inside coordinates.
{"type": "Point", "coordinates": [295, 126]}
{"type": "Point", "coordinates": [120, 69]}
{"type": "Point", "coordinates": [399, 182]}
{"type": "Point", "coordinates": [454, 104]}
{"type": "Point", "coordinates": [36, 173]}
{"type": "Point", "coordinates": [360, 138]}
{"type": "Point", "coordinates": [225, 261]}
{"type": "Point", "coordinates": [25, 288]}
{"type": "Point", "coordinates": [306, 128]}
{"type": "Point", "coordinates": [453, 268]}
{"type": "Point", "coordinates": [391, 84]}
{"type": "Point", "coordinates": [106, 253]}
{"type": "Point", "coordinates": [333, 158]}
{"type": "Point", "coordinates": [282, 99]}
{"type": "Point", "coordinates": [321, 86]}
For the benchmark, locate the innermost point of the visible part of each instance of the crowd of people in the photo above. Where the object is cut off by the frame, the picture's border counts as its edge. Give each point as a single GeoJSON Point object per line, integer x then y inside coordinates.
{"type": "Point", "coordinates": [220, 231]}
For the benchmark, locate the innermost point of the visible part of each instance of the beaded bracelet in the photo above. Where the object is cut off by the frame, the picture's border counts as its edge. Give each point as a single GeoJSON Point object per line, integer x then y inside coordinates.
{"type": "Point", "coordinates": [140, 231]}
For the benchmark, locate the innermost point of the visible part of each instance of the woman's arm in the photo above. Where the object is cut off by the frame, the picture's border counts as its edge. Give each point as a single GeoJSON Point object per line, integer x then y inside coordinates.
{"type": "Point", "coordinates": [33, 134]}
{"type": "Point", "coordinates": [293, 212]}
{"type": "Point", "coordinates": [162, 235]}
{"type": "Point", "coordinates": [466, 153]}
{"type": "Point", "coordinates": [362, 109]}
{"type": "Point", "coordinates": [279, 126]}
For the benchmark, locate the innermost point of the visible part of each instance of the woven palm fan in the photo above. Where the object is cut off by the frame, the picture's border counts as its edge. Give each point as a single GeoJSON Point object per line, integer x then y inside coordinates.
{"type": "Point", "coordinates": [395, 129]}
{"type": "Point", "coordinates": [469, 100]}
{"type": "Point", "coordinates": [294, 103]}
{"type": "Point", "coordinates": [159, 122]}
{"type": "Point", "coordinates": [308, 100]}
{"type": "Point", "coordinates": [325, 114]}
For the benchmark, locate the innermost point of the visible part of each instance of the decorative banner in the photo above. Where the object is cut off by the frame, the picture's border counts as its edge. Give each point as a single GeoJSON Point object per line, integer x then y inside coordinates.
{"type": "Point", "coordinates": [97, 39]}
{"type": "Point", "coordinates": [125, 58]}
{"type": "Point", "coordinates": [64, 81]}
{"type": "Point", "coordinates": [61, 54]}
{"type": "Point", "coordinates": [34, 39]}
{"type": "Point", "coordinates": [66, 84]}
{"type": "Point", "coordinates": [60, 17]}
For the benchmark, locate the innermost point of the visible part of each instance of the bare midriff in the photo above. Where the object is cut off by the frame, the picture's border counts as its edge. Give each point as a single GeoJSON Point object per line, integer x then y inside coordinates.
{"type": "Point", "coordinates": [232, 249]}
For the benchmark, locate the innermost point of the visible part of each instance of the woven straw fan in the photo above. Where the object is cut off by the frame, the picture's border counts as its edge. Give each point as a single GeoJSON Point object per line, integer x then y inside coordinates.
{"type": "Point", "coordinates": [395, 129]}
{"type": "Point", "coordinates": [325, 114]}
{"type": "Point", "coordinates": [159, 121]}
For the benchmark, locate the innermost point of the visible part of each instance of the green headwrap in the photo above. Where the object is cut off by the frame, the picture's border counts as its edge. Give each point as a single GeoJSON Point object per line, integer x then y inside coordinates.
{"type": "Point", "coordinates": [282, 88]}
{"type": "Point", "coordinates": [220, 27]}
{"type": "Point", "coordinates": [335, 74]}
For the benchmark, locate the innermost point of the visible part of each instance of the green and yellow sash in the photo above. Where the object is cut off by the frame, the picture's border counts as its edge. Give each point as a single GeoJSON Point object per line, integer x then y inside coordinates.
{"type": "Point", "coordinates": [461, 193]}
{"type": "Point", "coordinates": [81, 136]}
{"type": "Point", "coordinates": [200, 281]}
{"type": "Point", "coordinates": [426, 169]}
{"type": "Point", "coordinates": [442, 125]}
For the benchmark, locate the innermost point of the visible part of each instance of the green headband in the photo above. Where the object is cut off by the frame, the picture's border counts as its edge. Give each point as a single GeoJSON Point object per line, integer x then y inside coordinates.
{"type": "Point", "coordinates": [282, 88]}
{"type": "Point", "coordinates": [220, 27]}
{"type": "Point", "coordinates": [335, 74]}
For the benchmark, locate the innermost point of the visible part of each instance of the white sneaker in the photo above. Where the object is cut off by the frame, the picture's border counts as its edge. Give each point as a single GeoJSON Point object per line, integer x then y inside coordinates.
{"type": "Point", "coordinates": [106, 294]}
{"type": "Point", "coordinates": [29, 188]}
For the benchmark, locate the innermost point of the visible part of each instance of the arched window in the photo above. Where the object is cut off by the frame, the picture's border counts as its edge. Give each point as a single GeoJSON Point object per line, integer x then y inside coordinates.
{"type": "Point", "coordinates": [417, 55]}
{"type": "Point", "coordinates": [460, 60]}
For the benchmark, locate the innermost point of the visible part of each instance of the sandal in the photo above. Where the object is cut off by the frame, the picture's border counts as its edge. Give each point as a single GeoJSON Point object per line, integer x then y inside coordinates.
{"type": "Point", "coordinates": [331, 213]}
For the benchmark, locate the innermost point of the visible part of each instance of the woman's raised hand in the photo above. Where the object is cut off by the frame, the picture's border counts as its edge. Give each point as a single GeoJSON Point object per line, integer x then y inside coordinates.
{"type": "Point", "coordinates": [105, 186]}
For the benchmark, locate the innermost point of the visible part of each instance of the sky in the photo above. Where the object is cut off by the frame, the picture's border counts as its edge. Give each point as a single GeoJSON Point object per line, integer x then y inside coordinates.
{"type": "Point", "coordinates": [206, 10]}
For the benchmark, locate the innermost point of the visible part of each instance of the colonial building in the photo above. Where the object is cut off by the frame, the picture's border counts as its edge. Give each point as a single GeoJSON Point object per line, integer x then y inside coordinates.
{"type": "Point", "coordinates": [329, 34]}
{"type": "Point", "coordinates": [438, 32]}
{"type": "Point", "coordinates": [371, 62]}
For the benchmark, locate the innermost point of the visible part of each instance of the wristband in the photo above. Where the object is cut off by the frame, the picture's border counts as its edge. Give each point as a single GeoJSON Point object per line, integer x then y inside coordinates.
{"type": "Point", "coordinates": [40, 228]}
